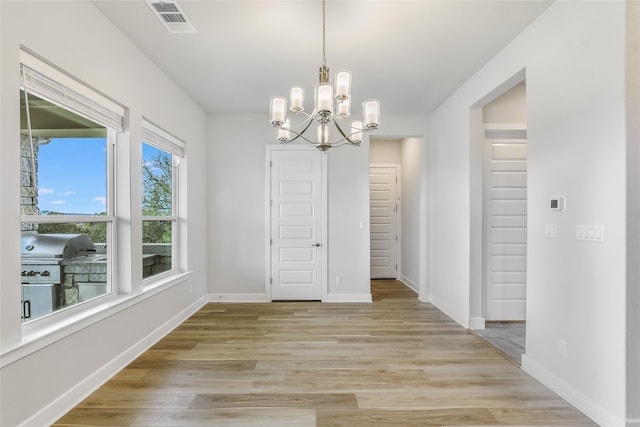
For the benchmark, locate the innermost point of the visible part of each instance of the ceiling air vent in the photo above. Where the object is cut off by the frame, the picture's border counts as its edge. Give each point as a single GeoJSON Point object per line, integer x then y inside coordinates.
{"type": "Point", "coordinates": [171, 15]}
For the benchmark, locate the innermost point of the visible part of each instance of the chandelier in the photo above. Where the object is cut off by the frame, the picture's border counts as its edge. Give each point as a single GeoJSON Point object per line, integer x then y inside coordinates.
{"type": "Point", "coordinates": [331, 106]}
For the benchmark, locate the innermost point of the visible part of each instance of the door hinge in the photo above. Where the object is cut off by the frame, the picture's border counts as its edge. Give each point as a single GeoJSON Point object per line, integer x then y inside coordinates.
{"type": "Point", "coordinates": [396, 267]}
{"type": "Point", "coordinates": [270, 202]}
{"type": "Point", "coordinates": [270, 164]}
{"type": "Point", "coordinates": [271, 280]}
{"type": "Point", "coordinates": [396, 238]}
{"type": "Point", "coordinates": [271, 241]}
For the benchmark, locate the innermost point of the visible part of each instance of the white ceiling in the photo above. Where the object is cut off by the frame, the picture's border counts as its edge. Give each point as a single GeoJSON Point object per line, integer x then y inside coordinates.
{"type": "Point", "coordinates": [409, 54]}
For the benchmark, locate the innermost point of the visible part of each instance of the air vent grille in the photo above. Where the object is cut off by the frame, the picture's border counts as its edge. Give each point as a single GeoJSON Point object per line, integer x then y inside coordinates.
{"type": "Point", "coordinates": [171, 15]}
{"type": "Point", "coordinates": [165, 7]}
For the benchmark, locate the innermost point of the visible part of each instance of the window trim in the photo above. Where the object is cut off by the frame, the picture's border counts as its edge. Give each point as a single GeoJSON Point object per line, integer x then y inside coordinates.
{"type": "Point", "coordinates": [56, 86]}
{"type": "Point", "coordinates": [48, 82]}
{"type": "Point", "coordinates": [61, 315]}
{"type": "Point", "coordinates": [158, 138]}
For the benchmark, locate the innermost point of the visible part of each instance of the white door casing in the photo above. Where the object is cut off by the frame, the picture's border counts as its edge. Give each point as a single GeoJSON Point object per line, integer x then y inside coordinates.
{"type": "Point", "coordinates": [383, 196]}
{"type": "Point", "coordinates": [505, 228]}
{"type": "Point", "coordinates": [296, 224]}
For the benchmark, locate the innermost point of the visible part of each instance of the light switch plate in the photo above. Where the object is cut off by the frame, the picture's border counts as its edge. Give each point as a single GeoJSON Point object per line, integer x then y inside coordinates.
{"type": "Point", "coordinates": [551, 231]}
{"type": "Point", "coordinates": [590, 233]}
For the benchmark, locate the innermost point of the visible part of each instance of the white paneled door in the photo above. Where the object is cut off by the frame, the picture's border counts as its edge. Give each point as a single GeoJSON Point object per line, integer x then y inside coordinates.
{"type": "Point", "coordinates": [296, 225]}
{"type": "Point", "coordinates": [383, 196]}
{"type": "Point", "coordinates": [505, 201]}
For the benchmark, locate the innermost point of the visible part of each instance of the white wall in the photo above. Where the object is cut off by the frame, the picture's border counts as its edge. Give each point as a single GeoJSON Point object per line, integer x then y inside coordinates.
{"type": "Point", "coordinates": [385, 150]}
{"type": "Point", "coordinates": [45, 377]}
{"type": "Point", "coordinates": [510, 107]}
{"type": "Point", "coordinates": [633, 213]}
{"type": "Point", "coordinates": [237, 211]}
{"type": "Point", "coordinates": [574, 60]}
{"type": "Point", "coordinates": [236, 205]}
{"type": "Point", "coordinates": [413, 215]}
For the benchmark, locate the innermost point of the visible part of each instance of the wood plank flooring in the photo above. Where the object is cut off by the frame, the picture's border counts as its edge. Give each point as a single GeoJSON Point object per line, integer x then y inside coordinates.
{"type": "Point", "coordinates": [396, 362]}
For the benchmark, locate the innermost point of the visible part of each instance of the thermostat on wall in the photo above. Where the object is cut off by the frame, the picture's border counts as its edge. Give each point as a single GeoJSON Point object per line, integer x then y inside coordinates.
{"type": "Point", "coordinates": [557, 203]}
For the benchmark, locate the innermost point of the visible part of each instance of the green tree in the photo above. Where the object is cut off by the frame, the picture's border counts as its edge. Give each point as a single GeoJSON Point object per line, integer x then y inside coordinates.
{"type": "Point", "coordinates": [97, 231]}
{"type": "Point", "coordinates": [157, 199]}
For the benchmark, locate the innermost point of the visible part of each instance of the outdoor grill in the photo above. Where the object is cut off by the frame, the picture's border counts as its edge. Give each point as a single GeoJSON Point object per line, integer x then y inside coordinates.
{"type": "Point", "coordinates": [43, 259]}
{"type": "Point", "coordinates": [43, 255]}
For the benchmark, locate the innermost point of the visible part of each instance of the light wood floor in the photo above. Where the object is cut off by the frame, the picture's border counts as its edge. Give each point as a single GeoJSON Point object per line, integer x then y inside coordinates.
{"type": "Point", "coordinates": [394, 363]}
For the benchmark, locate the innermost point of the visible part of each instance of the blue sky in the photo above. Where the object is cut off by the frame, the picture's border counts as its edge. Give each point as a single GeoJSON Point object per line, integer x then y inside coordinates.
{"type": "Point", "coordinates": [72, 175]}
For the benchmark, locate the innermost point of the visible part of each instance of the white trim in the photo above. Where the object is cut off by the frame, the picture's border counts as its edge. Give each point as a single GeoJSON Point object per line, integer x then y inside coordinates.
{"type": "Point", "coordinates": [55, 85]}
{"type": "Point", "coordinates": [56, 409]}
{"type": "Point", "coordinates": [444, 307]}
{"type": "Point", "coordinates": [505, 126]}
{"type": "Point", "coordinates": [364, 298]}
{"type": "Point", "coordinates": [153, 134]}
{"type": "Point", "coordinates": [477, 323]}
{"type": "Point", "coordinates": [239, 297]}
{"type": "Point", "coordinates": [575, 397]}
{"type": "Point", "coordinates": [66, 219]}
{"type": "Point", "coordinates": [410, 284]}
{"type": "Point", "coordinates": [424, 296]}
{"type": "Point", "coordinates": [269, 148]}
{"type": "Point", "coordinates": [324, 183]}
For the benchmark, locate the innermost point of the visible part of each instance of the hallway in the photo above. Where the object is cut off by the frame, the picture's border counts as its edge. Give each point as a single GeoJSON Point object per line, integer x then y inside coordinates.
{"type": "Point", "coordinates": [395, 362]}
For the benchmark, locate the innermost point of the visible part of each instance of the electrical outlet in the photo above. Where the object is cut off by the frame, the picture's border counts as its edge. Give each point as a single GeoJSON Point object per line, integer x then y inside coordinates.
{"type": "Point", "coordinates": [562, 347]}
{"type": "Point", "coordinates": [338, 280]}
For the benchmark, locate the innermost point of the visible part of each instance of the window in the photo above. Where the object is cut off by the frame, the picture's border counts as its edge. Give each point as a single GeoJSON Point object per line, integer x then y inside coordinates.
{"type": "Point", "coordinates": [161, 155]}
{"type": "Point", "coordinates": [67, 140]}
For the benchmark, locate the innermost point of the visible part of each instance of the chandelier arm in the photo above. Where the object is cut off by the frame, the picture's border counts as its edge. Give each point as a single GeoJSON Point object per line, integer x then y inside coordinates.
{"type": "Point", "coordinates": [308, 119]}
{"type": "Point", "coordinates": [345, 136]}
{"type": "Point", "coordinates": [300, 134]}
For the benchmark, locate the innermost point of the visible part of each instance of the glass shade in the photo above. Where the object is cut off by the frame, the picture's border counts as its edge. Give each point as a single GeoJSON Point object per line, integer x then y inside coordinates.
{"type": "Point", "coordinates": [343, 84]}
{"type": "Point", "coordinates": [356, 132]}
{"type": "Point", "coordinates": [284, 134]}
{"type": "Point", "coordinates": [297, 99]}
{"type": "Point", "coordinates": [371, 110]}
{"type": "Point", "coordinates": [278, 110]}
{"type": "Point", "coordinates": [324, 98]}
{"type": "Point", "coordinates": [344, 108]}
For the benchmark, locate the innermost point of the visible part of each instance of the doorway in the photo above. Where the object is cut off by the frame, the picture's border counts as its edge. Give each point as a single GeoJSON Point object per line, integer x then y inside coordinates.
{"type": "Point", "coordinates": [498, 212]}
{"type": "Point", "coordinates": [297, 224]}
{"type": "Point", "coordinates": [505, 223]}
{"type": "Point", "coordinates": [383, 217]}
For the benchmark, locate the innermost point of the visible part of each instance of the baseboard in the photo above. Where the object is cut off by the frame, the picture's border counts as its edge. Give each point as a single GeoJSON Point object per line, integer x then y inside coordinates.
{"type": "Point", "coordinates": [583, 403]}
{"type": "Point", "coordinates": [56, 409]}
{"type": "Point", "coordinates": [476, 323]}
{"type": "Point", "coordinates": [449, 311]}
{"type": "Point", "coordinates": [238, 298]}
{"type": "Point", "coordinates": [633, 422]}
{"type": "Point", "coordinates": [410, 283]}
{"type": "Point", "coordinates": [347, 298]}
{"type": "Point", "coordinates": [265, 298]}
{"type": "Point", "coordinates": [424, 296]}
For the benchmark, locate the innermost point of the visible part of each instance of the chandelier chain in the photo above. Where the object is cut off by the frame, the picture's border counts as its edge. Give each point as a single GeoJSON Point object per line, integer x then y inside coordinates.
{"type": "Point", "coordinates": [324, 34]}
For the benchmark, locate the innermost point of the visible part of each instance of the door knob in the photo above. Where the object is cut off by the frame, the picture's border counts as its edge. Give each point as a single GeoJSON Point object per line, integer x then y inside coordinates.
{"type": "Point", "coordinates": [317, 244]}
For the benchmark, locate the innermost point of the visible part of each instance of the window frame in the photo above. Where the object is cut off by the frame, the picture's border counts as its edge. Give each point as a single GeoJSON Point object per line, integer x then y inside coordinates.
{"type": "Point", "coordinates": [62, 89]}
{"type": "Point", "coordinates": [158, 138]}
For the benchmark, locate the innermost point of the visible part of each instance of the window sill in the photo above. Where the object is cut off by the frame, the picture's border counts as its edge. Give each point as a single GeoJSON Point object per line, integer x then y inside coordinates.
{"type": "Point", "coordinates": [36, 340]}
